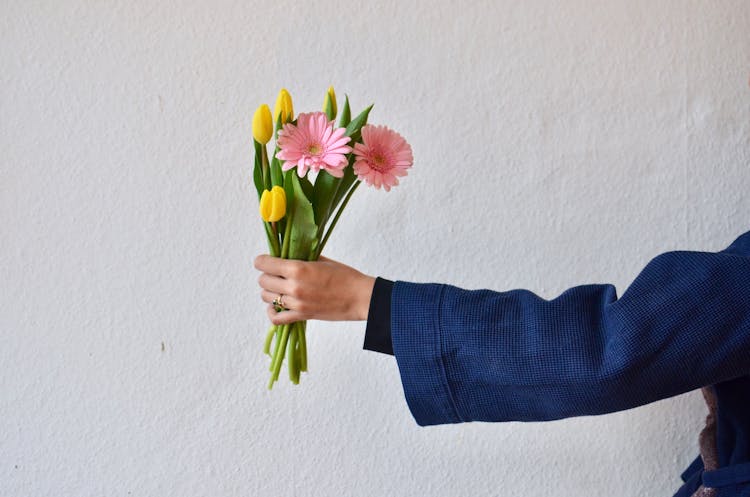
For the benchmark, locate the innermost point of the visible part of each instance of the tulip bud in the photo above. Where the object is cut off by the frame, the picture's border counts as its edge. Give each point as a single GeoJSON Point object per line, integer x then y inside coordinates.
{"type": "Point", "coordinates": [273, 204]}
{"type": "Point", "coordinates": [284, 107]}
{"type": "Point", "coordinates": [329, 105]}
{"type": "Point", "coordinates": [262, 125]}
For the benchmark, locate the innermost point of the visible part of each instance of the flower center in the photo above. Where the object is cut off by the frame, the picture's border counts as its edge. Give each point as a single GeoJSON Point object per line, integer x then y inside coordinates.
{"type": "Point", "coordinates": [314, 149]}
{"type": "Point", "coordinates": [379, 161]}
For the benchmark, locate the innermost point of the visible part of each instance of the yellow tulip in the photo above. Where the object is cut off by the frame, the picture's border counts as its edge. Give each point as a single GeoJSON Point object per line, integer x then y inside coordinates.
{"type": "Point", "coordinates": [262, 125]}
{"type": "Point", "coordinates": [284, 107]}
{"type": "Point", "coordinates": [330, 97]}
{"type": "Point", "coordinates": [273, 204]}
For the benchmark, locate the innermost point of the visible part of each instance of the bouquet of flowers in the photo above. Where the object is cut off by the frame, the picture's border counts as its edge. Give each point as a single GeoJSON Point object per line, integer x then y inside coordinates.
{"type": "Point", "coordinates": [299, 212]}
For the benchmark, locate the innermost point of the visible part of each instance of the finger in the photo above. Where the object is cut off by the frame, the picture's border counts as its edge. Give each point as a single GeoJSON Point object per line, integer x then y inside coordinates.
{"type": "Point", "coordinates": [268, 264]}
{"type": "Point", "coordinates": [289, 302]}
{"type": "Point", "coordinates": [283, 317]}
{"type": "Point", "coordinates": [275, 265]}
{"type": "Point", "coordinates": [274, 284]}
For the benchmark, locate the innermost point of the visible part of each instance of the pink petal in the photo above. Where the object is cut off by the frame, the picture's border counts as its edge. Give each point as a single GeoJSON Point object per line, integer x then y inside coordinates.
{"type": "Point", "coordinates": [339, 143]}
{"type": "Point", "coordinates": [336, 173]}
{"type": "Point", "coordinates": [326, 135]}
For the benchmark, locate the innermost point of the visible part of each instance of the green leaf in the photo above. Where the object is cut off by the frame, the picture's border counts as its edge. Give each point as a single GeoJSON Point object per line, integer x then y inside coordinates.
{"type": "Point", "coordinates": [278, 124]}
{"type": "Point", "coordinates": [346, 114]}
{"type": "Point", "coordinates": [322, 195]}
{"type": "Point", "coordinates": [277, 177]}
{"type": "Point", "coordinates": [257, 171]}
{"type": "Point", "coordinates": [345, 183]}
{"type": "Point", "coordinates": [303, 232]}
{"type": "Point", "coordinates": [354, 127]}
{"type": "Point", "coordinates": [307, 187]}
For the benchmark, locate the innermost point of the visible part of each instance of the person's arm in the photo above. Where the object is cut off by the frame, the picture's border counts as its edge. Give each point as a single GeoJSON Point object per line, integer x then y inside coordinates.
{"type": "Point", "coordinates": [481, 355]}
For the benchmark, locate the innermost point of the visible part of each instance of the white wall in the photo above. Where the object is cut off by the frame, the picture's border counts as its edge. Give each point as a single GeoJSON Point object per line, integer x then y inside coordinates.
{"type": "Point", "coordinates": [556, 144]}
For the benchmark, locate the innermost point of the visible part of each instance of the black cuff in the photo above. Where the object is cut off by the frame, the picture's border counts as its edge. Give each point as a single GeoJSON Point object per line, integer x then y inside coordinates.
{"type": "Point", "coordinates": [378, 332]}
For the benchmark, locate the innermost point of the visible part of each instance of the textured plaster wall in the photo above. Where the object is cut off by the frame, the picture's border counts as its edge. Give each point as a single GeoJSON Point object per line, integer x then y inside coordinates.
{"type": "Point", "coordinates": [556, 144]}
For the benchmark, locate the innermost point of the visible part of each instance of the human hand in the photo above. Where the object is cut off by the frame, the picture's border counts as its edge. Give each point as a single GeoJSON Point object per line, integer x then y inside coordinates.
{"type": "Point", "coordinates": [324, 289]}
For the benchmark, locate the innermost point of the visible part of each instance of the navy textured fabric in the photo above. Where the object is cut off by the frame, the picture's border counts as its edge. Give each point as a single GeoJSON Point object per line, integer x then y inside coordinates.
{"type": "Point", "coordinates": [378, 330]}
{"type": "Point", "coordinates": [482, 355]}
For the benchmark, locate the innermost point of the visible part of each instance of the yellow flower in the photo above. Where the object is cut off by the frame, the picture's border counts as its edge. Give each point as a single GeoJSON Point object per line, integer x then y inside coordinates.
{"type": "Point", "coordinates": [330, 97]}
{"type": "Point", "coordinates": [262, 125]}
{"type": "Point", "coordinates": [284, 107]}
{"type": "Point", "coordinates": [273, 204]}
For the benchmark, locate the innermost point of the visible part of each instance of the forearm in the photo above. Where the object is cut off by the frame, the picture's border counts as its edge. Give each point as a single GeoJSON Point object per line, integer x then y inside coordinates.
{"type": "Point", "coordinates": [479, 355]}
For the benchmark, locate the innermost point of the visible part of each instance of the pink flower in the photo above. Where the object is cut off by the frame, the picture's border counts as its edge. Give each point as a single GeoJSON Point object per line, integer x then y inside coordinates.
{"type": "Point", "coordinates": [313, 144]}
{"type": "Point", "coordinates": [383, 155]}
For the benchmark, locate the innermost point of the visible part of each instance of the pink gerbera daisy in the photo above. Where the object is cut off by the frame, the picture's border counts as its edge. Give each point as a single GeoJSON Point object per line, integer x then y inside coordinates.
{"type": "Point", "coordinates": [313, 144]}
{"type": "Point", "coordinates": [383, 155]}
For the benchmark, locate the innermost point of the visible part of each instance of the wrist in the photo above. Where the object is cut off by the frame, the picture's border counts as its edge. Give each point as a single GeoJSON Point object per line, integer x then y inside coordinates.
{"type": "Point", "coordinates": [364, 295]}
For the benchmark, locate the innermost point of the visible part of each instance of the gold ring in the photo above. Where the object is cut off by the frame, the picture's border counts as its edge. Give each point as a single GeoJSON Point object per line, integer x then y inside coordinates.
{"type": "Point", "coordinates": [278, 303]}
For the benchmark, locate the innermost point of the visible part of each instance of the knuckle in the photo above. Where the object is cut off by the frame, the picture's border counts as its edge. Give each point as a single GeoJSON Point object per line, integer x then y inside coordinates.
{"type": "Point", "coordinates": [302, 270]}
{"type": "Point", "coordinates": [293, 290]}
{"type": "Point", "coordinates": [293, 269]}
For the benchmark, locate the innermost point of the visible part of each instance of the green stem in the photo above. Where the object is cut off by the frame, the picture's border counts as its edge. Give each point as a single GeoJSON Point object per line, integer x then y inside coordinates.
{"type": "Point", "coordinates": [323, 221]}
{"type": "Point", "coordinates": [292, 358]}
{"type": "Point", "coordinates": [287, 232]}
{"type": "Point", "coordinates": [269, 337]}
{"type": "Point", "coordinates": [303, 347]}
{"type": "Point", "coordinates": [265, 168]}
{"type": "Point", "coordinates": [280, 355]}
{"type": "Point", "coordinates": [277, 234]}
{"type": "Point", "coordinates": [274, 356]}
{"type": "Point", "coordinates": [273, 240]}
{"type": "Point", "coordinates": [336, 218]}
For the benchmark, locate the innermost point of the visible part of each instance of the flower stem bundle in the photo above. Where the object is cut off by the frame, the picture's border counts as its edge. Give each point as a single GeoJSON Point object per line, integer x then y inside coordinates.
{"type": "Point", "coordinates": [298, 213]}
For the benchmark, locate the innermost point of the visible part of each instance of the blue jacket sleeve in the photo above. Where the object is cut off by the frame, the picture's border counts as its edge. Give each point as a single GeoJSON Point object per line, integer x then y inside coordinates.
{"type": "Point", "coordinates": [480, 355]}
